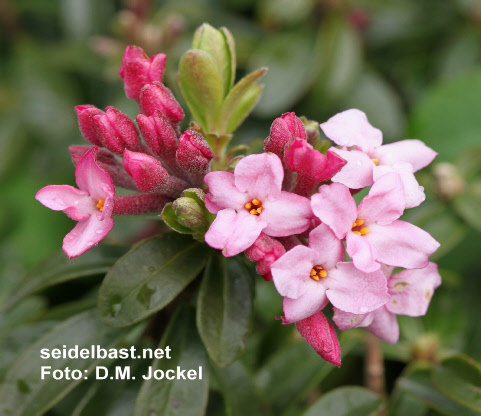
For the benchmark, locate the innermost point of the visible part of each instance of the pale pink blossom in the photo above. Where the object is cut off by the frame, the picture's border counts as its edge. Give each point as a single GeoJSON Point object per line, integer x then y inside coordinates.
{"type": "Point", "coordinates": [91, 205]}
{"type": "Point", "coordinates": [373, 232]}
{"type": "Point", "coordinates": [250, 201]}
{"type": "Point", "coordinates": [410, 293]}
{"type": "Point", "coordinates": [367, 160]}
{"type": "Point", "coordinates": [310, 277]}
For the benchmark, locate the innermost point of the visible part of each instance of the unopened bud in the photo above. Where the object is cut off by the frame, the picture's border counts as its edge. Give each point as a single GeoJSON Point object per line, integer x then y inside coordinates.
{"type": "Point", "coordinates": [194, 154]}
{"type": "Point", "coordinates": [138, 70]}
{"type": "Point", "coordinates": [116, 131]}
{"type": "Point", "coordinates": [85, 114]}
{"type": "Point", "coordinates": [283, 130]}
{"type": "Point", "coordinates": [449, 181]}
{"type": "Point", "coordinates": [313, 133]}
{"type": "Point", "coordinates": [156, 96]}
{"type": "Point", "coordinates": [264, 252]}
{"type": "Point", "coordinates": [158, 134]}
{"type": "Point", "coordinates": [190, 214]}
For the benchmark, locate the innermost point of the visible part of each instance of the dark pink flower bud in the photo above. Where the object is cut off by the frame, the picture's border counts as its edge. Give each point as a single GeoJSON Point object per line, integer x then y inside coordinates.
{"type": "Point", "coordinates": [320, 334]}
{"type": "Point", "coordinates": [116, 131]}
{"type": "Point", "coordinates": [150, 176]}
{"type": "Point", "coordinates": [264, 252]}
{"type": "Point", "coordinates": [138, 70]}
{"type": "Point", "coordinates": [283, 130]}
{"type": "Point", "coordinates": [194, 153]}
{"type": "Point", "coordinates": [158, 134]}
{"type": "Point", "coordinates": [85, 114]}
{"type": "Point", "coordinates": [138, 204]}
{"type": "Point", "coordinates": [302, 158]}
{"type": "Point", "coordinates": [157, 96]}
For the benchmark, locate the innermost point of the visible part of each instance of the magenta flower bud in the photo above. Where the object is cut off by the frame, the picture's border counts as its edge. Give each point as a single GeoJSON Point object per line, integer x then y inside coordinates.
{"type": "Point", "coordinates": [320, 334]}
{"type": "Point", "coordinates": [138, 70]}
{"type": "Point", "coordinates": [85, 114]}
{"type": "Point", "coordinates": [264, 252]}
{"type": "Point", "coordinates": [157, 96]}
{"type": "Point", "coordinates": [116, 131]}
{"type": "Point", "coordinates": [158, 134]}
{"type": "Point", "coordinates": [194, 153]}
{"type": "Point", "coordinates": [150, 176]}
{"type": "Point", "coordinates": [283, 130]}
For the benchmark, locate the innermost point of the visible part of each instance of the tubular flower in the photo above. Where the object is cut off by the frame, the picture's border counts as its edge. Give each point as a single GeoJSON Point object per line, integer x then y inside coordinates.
{"type": "Point", "coordinates": [91, 205]}
{"type": "Point", "coordinates": [250, 201]}
{"type": "Point", "coordinates": [368, 160]}
{"type": "Point", "coordinates": [310, 277]}
{"type": "Point", "coordinates": [373, 232]}
{"type": "Point", "coordinates": [410, 293]}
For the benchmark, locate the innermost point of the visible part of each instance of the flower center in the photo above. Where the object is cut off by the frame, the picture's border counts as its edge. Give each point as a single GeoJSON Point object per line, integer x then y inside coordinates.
{"type": "Point", "coordinates": [100, 205]}
{"type": "Point", "coordinates": [254, 207]}
{"type": "Point", "coordinates": [317, 272]}
{"type": "Point", "coordinates": [375, 161]}
{"type": "Point", "coordinates": [358, 229]}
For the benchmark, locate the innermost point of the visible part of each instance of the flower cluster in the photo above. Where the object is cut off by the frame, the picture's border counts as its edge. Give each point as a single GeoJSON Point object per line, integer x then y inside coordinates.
{"type": "Point", "coordinates": [157, 169]}
{"type": "Point", "coordinates": [269, 208]}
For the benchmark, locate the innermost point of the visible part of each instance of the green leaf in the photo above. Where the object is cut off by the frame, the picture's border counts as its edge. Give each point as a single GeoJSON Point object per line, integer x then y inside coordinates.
{"type": "Point", "coordinates": [447, 117]}
{"type": "Point", "coordinates": [467, 206]}
{"type": "Point", "coordinates": [201, 87]}
{"type": "Point", "coordinates": [347, 401]}
{"type": "Point", "coordinates": [238, 389]}
{"type": "Point", "coordinates": [149, 277]}
{"type": "Point", "coordinates": [224, 308]}
{"type": "Point", "coordinates": [418, 384]}
{"type": "Point", "coordinates": [459, 378]}
{"type": "Point", "coordinates": [24, 393]}
{"type": "Point", "coordinates": [402, 404]}
{"type": "Point", "coordinates": [240, 101]}
{"type": "Point", "coordinates": [229, 40]}
{"type": "Point", "coordinates": [57, 268]}
{"type": "Point", "coordinates": [177, 397]}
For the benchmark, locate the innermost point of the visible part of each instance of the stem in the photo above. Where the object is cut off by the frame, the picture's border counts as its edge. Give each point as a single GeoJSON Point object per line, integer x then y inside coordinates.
{"type": "Point", "coordinates": [374, 370]}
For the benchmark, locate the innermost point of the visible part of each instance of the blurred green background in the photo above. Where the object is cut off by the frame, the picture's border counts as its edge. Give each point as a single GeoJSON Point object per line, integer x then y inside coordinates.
{"type": "Point", "coordinates": [413, 66]}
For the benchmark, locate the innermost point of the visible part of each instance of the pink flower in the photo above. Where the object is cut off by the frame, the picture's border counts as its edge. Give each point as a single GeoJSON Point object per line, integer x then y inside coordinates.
{"type": "Point", "coordinates": [410, 293]}
{"type": "Point", "coordinates": [91, 205]}
{"type": "Point", "coordinates": [372, 231]}
{"type": "Point", "coordinates": [320, 334]}
{"type": "Point", "coordinates": [310, 277]}
{"type": "Point", "coordinates": [369, 160]}
{"type": "Point", "coordinates": [250, 201]}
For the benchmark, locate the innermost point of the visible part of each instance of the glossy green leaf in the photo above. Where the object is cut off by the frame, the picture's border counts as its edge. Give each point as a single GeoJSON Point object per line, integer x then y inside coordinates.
{"type": "Point", "coordinates": [417, 383]}
{"type": "Point", "coordinates": [149, 277]}
{"type": "Point", "coordinates": [447, 117]}
{"type": "Point", "coordinates": [240, 395]}
{"type": "Point", "coordinates": [182, 397]}
{"type": "Point", "coordinates": [24, 393]}
{"type": "Point", "coordinates": [224, 308]}
{"type": "Point", "coordinates": [459, 378]}
{"type": "Point", "coordinates": [240, 101]}
{"type": "Point", "coordinates": [347, 401]}
{"type": "Point", "coordinates": [402, 404]}
{"type": "Point", "coordinates": [201, 87]}
{"type": "Point", "coordinates": [57, 268]}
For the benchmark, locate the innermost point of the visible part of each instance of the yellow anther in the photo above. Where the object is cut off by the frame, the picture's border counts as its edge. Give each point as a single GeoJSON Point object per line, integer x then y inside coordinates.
{"type": "Point", "coordinates": [100, 205]}
{"type": "Point", "coordinates": [259, 210]}
{"type": "Point", "coordinates": [313, 272]}
{"type": "Point", "coordinates": [375, 161]}
{"type": "Point", "coordinates": [317, 272]}
{"type": "Point", "coordinates": [364, 230]}
{"type": "Point", "coordinates": [357, 232]}
{"type": "Point", "coordinates": [323, 273]}
{"type": "Point", "coordinates": [248, 206]}
{"type": "Point", "coordinates": [315, 277]}
{"type": "Point", "coordinates": [256, 202]}
{"type": "Point", "coordinates": [359, 222]}
{"type": "Point", "coordinates": [254, 207]}
{"type": "Point", "coordinates": [253, 212]}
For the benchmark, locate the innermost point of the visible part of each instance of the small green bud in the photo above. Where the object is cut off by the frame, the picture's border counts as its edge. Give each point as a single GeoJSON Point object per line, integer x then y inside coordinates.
{"type": "Point", "coordinates": [312, 130]}
{"type": "Point", "coordinates": [190, 214]}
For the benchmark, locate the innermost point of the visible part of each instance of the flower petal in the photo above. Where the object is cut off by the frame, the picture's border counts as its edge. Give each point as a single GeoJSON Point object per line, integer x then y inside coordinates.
{"type": "Point", "coordinates": [347, 320]}
{"type": "Point", "coordinates": [291, 272]}
{"type": "Point", "coordinates": [312, 301]}
{"type": "Point", "coordinates": [385, 201]}
{"type": "Point", "coordinates": [288, 214]}
{"type": "Point", "coordinates": [351, 128]}
{"type": "Point", "coordinates": [414, 194]}
{"type": "Point", "coordinates": [91, 178]}
{"type": "Point", "coordinates": [77, 204]}
{"type": "Point", "coordinates": [401, 244]}
{"type": "Point", "coordinates": [362, 253]}
{"type": "Point", "coordinates": [223, 192]}
{"type": "Point", "coordinates": [259, 175]}
{"type": "Point", "coordinates": [335, 206]}
{"type": "Point", "coordinates": [414, 152]}
{"type": "Point", "coordinates": [357, 173]}
{"type": "Point", "coordinates": [85, 235]}
{"type": "Point", "coordinates": [234, 232]}
{"type": "Point", "coordinates": [411, 290]}
{"type": "Point", "coordinates": [352, 290]}
{"type": "Point", "coordinates": [384, 325]}
{"type": "Point", "coordinates": [328, 247]}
